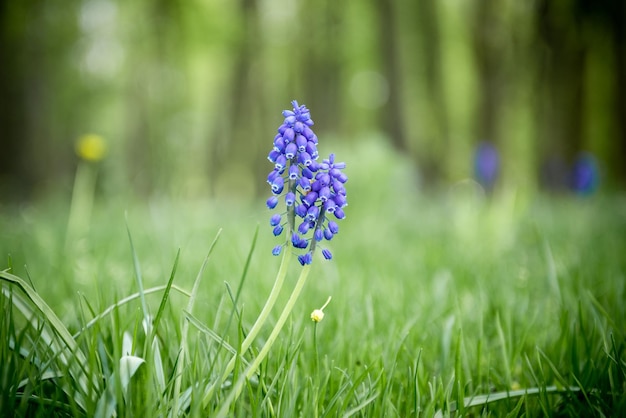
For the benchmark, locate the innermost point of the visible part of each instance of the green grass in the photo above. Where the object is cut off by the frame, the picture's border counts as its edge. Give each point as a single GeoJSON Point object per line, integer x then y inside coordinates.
{"type": "Point", "coordinates": [446, 304]}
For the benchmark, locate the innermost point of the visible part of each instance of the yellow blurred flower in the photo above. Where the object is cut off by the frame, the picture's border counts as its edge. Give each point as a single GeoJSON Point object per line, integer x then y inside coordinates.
{"type": "Point", "coordinates": [91, 147]}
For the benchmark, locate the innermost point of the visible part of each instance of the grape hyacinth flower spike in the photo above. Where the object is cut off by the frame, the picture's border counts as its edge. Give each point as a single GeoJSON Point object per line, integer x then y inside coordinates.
{"type": "Point", "coordinates": [312, 191]}
{"type": "Point", "coordinates": [314, 197]}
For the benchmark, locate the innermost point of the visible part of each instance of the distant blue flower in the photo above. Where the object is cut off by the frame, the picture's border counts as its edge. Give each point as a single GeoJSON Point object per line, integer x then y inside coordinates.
{"type": "Point", "coordinates": [585, 177]}
{"type": "Point", "coordinates": [486, 165]}
{"type": "Point", "coordinates": [313, 190]}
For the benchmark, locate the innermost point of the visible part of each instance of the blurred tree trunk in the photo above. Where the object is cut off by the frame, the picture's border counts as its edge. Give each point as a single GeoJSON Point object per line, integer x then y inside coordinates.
{"type": "Point", "coordinates": [322, 61]}
{"type": "Point", "coordinates": [607, 21]}
{"type": "Point", "coordinates": [392, 112]}
{"type": "Point", "coordinates": [488, 53]}
{"type": "Point", "coordinates": [34, 38]}
{"type": "Point", "coordinates": [560, 86]}
{"type": "Point", "coordinates": [618, 28]}
{"type": "Point", "coordinates": [234, 144]}
{"type": "Point", "coordinates": [428, 34]}
{"type": "Point", "coordinates": [394, 116]}
{"type": "Point", "coordinates": [152, 99]}
{"type": "Point", "coordinates": [14, 175]}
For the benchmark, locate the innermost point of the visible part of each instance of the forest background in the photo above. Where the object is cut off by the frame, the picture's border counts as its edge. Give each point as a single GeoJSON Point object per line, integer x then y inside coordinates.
{"type": "Point", "coordinates": [187, 94]}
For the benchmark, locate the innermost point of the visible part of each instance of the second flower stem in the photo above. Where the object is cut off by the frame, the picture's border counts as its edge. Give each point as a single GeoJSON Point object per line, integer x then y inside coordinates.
{"type": "Point", "coordinates": [254, 366]}
{"type": "Point", "coordinates": [258, 324]}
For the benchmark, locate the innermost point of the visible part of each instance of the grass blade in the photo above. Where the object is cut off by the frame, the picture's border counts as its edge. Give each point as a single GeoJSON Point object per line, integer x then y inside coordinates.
{"type": "Point", "coordinates": [126, 300]}
{"type": "Point", "coordinates": [166, 293]}
{"type": "Point", "coordinates": [183, 344]}
{"type": "Point", "coordinates": [78, 368]}
{"type": "Point", "coordinates": [138, 276]}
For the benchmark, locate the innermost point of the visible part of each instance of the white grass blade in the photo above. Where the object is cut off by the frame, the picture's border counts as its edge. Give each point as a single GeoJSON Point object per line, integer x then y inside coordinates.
{"type": "Point", "coordinates": [498, 396]}
{"type": "Point", "coordinates": [128, 367]}
{"type": "Point", "coordinates": [107, 403]}
{"type": "Point", "coordinates": [157, 363]}
{"type": "Point", "coordinates": [127, 344]}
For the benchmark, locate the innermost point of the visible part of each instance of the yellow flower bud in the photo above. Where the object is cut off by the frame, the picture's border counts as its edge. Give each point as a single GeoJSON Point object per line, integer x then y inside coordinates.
{"type": "Point", "coordinates": [91, 147]}
{"type": "Point", "coordinates": [317, 315]}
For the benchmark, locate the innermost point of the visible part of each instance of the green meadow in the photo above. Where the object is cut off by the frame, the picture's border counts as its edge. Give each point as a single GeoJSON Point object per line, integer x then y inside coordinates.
{"type": "Point", "coordinates": [446, 303]}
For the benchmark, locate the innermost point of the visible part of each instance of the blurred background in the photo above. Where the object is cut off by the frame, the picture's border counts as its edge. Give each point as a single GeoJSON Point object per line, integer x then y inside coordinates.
{"type": "Point", "coordinates": [188, 94]}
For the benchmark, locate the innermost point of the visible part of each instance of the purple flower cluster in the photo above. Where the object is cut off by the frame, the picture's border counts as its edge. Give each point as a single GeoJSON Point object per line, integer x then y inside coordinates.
{"type": "Point", "coordinates": [312, 190]}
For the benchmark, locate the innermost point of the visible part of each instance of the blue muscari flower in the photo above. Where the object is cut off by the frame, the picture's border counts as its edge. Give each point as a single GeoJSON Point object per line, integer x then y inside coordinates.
{"type": "Point", "coordinates": [312, 214]}
{"type": "Point", "coordinates": [301, 210]}
{"type": "Point", "coordinates": [275, 219]}
{"type": "Point", "coordinates": [273, 155]}
{"type": "Point", "coordinates": [290, 150]}
{"type": "Point", "coordinates": [281, 162]}
{"type": "Point", "coordinates": [340, 200]}
{"type": "Point", "coordinates": [304, 227]}
{"type": "Point", "coordinates": [305, 184]}
{"type": "Point", "coordinates": [294, 173]}
{"type": "Point", "coordinates": [272, 175]}
{"type": "Point", "coordinates": [330, 206]}
{"type": "Point", "coordinates": [309, 199]}
{"type": "Point", "coordinates": [277, 185]}
{"type": "Point", "coordinates": [314, 190]}
{"type": "Point", "coordinates": [272, 202]}
{"type": "Point", "coordinates": [298, 241]}
{"type": "Point", "coordinates": [301, 143]}
{"type": "Point", "coordinates": [290, 199]}
{"type": "Point", "coordinates": [279, 145]}
{"type": "Point", "coordinates": [306, 258]}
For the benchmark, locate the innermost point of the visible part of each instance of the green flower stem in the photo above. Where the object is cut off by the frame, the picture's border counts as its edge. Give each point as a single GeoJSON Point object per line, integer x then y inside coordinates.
{"type": "Point", "coordinates": [254, 366]}
{"type": "Point", "coordinates": [316, 383]}
{"type": "Point", "coordinates": [317, 355]}
{"type": "Point", "coordinates": [258, 324]}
